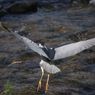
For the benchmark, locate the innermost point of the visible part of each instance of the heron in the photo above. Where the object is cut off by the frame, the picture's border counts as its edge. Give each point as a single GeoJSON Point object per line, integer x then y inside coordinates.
{"type": "Point", "coordinates": [48, 55]}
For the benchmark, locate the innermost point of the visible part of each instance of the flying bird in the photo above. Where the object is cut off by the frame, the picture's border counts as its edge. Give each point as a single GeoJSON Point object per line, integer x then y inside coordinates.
{"type": "Point", "coordinates": [48, 55]}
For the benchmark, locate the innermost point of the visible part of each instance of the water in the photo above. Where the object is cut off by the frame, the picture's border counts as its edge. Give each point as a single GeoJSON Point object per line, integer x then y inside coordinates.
{"type": "Point", "coordinates": [21, 65]}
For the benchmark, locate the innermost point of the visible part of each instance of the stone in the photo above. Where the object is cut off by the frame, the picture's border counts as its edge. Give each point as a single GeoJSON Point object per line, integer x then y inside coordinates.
{"type": "Point", "coordinates": [23, 7]}
{"type": "Point", "coordinates": [92, 2]}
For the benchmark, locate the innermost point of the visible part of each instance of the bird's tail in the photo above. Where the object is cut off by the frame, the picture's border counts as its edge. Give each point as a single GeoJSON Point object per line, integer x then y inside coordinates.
{"type": "Point", "coordinates": [50, 68]}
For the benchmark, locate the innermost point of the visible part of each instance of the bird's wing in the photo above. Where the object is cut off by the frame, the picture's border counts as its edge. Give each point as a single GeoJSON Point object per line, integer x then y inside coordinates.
{"type": "Point", "coordinates": [31, 44]}
{"type": "Point", "coordinates": [28, 42]}
{"type": "Point", "coordinates": [72, 49]}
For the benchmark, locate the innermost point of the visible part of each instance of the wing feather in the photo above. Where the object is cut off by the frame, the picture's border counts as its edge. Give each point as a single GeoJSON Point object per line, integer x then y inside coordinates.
{"type": "Point", "coordinates": [28, 42]}
{"type": "Point", "coordinates": [32, 45]}
{"type": "Point", "coordinates": [72, 49]}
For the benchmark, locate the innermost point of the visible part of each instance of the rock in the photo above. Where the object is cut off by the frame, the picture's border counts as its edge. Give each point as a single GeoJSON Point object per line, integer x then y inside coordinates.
{"type": "Point", "coordinates": [92, 2]}
{"type": "Point", "coordinates": [23, 7]}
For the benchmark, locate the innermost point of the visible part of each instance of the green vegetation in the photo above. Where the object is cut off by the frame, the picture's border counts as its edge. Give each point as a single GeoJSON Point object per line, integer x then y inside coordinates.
{"type": "Point", "coordinates": [8, 88]}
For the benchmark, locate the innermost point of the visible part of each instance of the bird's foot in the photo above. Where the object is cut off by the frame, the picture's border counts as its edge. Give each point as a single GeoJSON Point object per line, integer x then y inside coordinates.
{"type": "Point", "coordinates": [46, 87]}
{"type": "Point", "coordinates": [39, 85]}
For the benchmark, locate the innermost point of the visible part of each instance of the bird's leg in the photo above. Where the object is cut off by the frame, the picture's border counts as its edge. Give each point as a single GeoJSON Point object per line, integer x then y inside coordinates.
{"type": "Point", "coordinates": [47, 83]}
{"type": "Point", "coordinates": [40, 81]}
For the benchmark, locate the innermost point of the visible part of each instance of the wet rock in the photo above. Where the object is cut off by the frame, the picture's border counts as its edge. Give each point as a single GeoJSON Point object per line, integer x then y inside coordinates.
{"type": "Point", "coordinates": [92, 2]}
{"type": "Point", "coordinates": [23, 7]}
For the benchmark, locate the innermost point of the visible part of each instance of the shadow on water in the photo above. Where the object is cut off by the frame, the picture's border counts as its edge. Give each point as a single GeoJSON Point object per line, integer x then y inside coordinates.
{"type": "Point", "coordinates": [21, 65]}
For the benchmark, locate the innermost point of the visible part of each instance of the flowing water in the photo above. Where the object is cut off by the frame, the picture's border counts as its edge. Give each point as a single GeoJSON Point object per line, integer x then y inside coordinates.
{"type": "Point", "coordinates": [20, 65]}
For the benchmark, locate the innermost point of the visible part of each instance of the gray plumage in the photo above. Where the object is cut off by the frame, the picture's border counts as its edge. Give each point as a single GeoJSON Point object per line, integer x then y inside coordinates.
{"type": "Point", "coordinates": [72, 49]}
{"type": "Point", "coordinates": [50, 54]}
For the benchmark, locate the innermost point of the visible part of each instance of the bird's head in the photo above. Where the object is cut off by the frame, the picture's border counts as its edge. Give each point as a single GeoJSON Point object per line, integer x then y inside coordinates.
{"type": "Point", "coordinates": [41, 44]}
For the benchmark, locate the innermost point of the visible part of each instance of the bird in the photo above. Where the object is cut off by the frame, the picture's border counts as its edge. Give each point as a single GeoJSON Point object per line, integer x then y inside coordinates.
{"type": "Point", "coordinates": [48, 55]}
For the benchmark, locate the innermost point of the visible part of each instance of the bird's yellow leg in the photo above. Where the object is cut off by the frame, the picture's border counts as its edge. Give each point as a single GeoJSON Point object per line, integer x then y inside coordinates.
{"type": "Point", "coordinates": [40, 81]}
{"type": "Point", "coordinates": [47, 83]}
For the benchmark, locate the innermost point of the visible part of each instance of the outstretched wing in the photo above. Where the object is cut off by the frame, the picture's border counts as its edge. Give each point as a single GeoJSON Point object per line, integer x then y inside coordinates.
{"type": "Point", "coordinates": [72, 49]}
{"type": "Point", "coordinates": [31, 44]}
{"type": "Point", "coordinates": [28, 42]}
